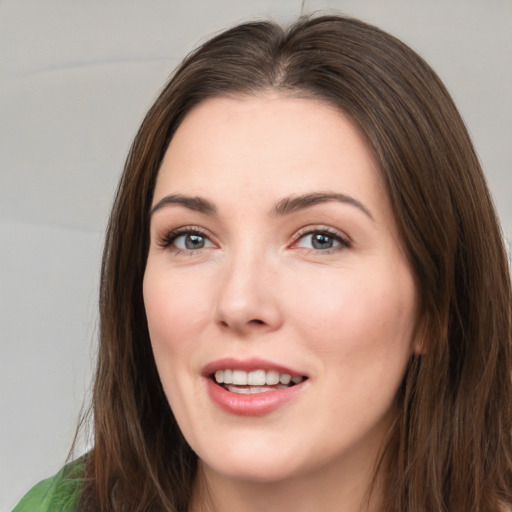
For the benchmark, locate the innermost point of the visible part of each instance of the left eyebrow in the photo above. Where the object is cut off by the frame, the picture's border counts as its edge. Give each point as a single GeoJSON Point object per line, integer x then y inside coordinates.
{"type": "Point", "coordinates": [293, 203]}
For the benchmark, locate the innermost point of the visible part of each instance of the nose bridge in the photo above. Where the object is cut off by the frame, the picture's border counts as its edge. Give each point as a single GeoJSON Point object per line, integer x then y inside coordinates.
{"type": "Point", "coordinates": [246, 298]}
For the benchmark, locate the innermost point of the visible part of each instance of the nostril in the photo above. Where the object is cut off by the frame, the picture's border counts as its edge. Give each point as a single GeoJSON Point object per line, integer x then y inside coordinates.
{"type": "Point", "coordinates": [256, 321]}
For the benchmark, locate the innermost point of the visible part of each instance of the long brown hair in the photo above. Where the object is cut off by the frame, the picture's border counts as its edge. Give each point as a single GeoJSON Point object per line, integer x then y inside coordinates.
{"type": "Point", "coordinates": [451, 448]}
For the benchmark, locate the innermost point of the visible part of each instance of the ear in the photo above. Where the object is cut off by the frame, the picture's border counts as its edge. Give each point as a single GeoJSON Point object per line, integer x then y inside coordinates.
{"type": "Point", "coordinates": [419, 347]}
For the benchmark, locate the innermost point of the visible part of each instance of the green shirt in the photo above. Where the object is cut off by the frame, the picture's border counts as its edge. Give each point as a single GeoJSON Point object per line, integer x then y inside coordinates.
{"type": "Point", "coordinates": [59, 493]}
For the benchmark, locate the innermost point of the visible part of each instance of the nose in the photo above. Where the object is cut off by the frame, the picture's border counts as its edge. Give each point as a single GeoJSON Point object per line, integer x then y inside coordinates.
{"type": "Point", "coordinates": [247, 301]}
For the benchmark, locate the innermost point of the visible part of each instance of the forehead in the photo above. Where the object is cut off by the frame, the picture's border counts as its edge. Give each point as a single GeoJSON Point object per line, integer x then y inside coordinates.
{"type": "Point", "coordinates": [265, 140]}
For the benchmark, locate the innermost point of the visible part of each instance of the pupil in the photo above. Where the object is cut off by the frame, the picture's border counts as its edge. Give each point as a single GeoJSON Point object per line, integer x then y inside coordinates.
{"type": "Point", "coordinates": [322, 241]}
{"type": "Point", "coordinates": [194, 242]}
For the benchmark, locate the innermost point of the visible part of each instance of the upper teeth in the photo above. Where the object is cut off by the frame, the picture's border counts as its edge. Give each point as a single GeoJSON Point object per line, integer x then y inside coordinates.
{"type": "Point", "coordinates": [255, 378]}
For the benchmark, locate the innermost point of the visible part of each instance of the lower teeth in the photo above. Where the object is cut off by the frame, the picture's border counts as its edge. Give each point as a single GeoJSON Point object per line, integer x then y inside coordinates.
{"type": "Point", "coordinates": [250, 390]}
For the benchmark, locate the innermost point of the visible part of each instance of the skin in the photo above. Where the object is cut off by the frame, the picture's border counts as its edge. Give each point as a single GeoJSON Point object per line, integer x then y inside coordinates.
{"type": "Point", "coordinates": [343, 316]}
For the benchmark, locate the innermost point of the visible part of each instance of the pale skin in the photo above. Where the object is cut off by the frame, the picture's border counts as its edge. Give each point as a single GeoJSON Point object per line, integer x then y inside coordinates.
{"type": "Point", "coordinates": [291, 255]}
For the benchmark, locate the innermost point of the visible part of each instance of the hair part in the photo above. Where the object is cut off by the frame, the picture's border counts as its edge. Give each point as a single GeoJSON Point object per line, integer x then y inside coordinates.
{"type": "Point", "coordinates": [450, 448]}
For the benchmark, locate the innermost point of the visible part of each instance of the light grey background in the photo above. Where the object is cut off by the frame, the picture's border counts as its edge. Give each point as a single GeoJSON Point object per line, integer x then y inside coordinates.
{"type": "Point", "coordinates": [75, 80]}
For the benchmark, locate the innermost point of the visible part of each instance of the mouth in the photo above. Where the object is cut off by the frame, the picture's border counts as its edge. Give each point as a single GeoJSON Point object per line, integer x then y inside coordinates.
{"type": "Point", "coordinates": [255, 381]}
{"type": "Point", "coordinates": [252, 387]}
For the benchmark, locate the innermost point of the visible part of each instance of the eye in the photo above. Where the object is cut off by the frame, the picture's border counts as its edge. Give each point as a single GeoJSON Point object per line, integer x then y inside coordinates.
{"type": "Point", "coordinates": [322, 240]}
{"type": "Point", "coordinates": [186, 239]}
{"type": "Point", "coordinates": [191, 241]}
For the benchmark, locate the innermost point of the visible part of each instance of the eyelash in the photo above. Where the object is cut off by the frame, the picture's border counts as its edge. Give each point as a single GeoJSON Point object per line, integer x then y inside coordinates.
{"type": "Point", "coordinates": [168, 240]}
{"type": "Point", "coordinates": [343, 241]}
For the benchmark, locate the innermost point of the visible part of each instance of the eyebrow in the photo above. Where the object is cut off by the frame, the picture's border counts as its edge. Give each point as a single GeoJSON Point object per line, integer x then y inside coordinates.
{"type": "Point", "coordinates": [285, 206]}
{"type": "Point", "coordinates": [197, 204]}
{"type": "Point", "coordinates": [294, 203]}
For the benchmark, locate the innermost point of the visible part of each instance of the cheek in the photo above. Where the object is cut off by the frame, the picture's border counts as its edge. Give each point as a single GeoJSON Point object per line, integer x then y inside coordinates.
{"type": "Point", "coordinates": [172, 313]}
{"type": "Point", "coordinates": [175, 308]}
{"type": "Point", "coordinates": [170, 321]}
{"type": "Point", "coordinates": [362, 323]}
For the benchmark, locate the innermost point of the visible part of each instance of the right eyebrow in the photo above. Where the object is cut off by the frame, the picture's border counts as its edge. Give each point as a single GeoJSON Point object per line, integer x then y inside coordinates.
{"type": "Point", "coordinates": [196, 204]}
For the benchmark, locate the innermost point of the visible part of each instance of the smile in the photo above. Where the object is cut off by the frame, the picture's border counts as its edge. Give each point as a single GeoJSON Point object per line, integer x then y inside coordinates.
{"type": "Point", "coordinates": [256, 381]}
{"type": "Point", "coordinates": [252, 387]}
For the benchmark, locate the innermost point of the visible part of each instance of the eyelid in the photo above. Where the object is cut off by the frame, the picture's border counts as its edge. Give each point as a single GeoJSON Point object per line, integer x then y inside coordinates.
{"type": "Point", "coordinates": [344, 241]}
{"type": "Point", "coordinates": [166, 240]}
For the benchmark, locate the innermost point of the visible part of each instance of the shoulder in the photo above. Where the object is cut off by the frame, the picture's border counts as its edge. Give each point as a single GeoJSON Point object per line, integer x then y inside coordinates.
{"type": "Point", "coordinates": [59, 493]}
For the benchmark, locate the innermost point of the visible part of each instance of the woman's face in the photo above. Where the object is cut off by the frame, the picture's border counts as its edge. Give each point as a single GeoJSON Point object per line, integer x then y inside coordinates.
{"type": "Point", "coordinates": [280, 304]}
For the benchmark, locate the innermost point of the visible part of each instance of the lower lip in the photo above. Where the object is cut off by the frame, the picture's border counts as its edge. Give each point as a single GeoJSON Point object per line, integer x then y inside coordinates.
{"type": "Point", "coordinates": [256, 404]}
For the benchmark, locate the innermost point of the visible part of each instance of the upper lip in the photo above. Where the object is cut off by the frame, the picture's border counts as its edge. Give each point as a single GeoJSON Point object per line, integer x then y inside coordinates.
{"type": "Point", "coordinates": [231, 363]}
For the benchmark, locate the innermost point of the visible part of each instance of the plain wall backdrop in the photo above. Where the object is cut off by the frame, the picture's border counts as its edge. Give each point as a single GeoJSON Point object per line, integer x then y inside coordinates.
{"type": "Point", "coordinates": [75, 80]}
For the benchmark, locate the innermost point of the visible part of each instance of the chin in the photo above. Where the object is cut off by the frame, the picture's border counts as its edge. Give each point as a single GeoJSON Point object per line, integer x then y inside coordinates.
{"type": "Point", "coordinates": [251, 461]}
{"type": "Point", "coordinates": [250, 472]}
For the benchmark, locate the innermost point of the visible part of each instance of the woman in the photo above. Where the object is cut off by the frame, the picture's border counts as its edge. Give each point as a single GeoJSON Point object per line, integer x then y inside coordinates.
{"type": "Point", "coordinates": [305, 300]}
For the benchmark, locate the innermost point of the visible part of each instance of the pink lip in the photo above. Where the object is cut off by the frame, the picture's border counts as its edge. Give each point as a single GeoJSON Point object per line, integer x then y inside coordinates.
{"type": "Point", "coordinates": [257, 404]}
